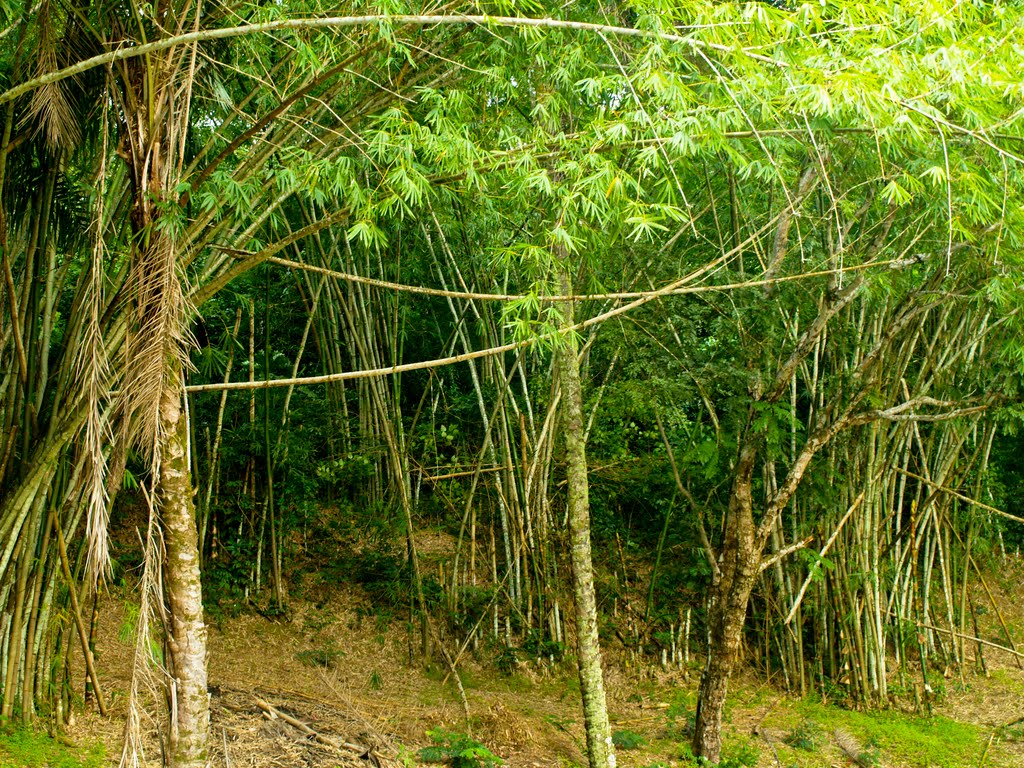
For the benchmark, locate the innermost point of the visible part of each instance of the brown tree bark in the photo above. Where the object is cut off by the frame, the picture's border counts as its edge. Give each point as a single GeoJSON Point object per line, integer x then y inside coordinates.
{"type": "Point", "coordinates": [738, 565]}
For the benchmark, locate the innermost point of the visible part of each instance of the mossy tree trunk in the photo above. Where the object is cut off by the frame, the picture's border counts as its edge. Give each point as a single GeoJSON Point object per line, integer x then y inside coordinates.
{"type": "Point", "coordinates": [187, 636]}
{"type": "Point", "coordinates": [588, 648]}
{"type": "Point", "coordinates": [739, 563]}
{"type": "Point", "coordinates": [740, 555]}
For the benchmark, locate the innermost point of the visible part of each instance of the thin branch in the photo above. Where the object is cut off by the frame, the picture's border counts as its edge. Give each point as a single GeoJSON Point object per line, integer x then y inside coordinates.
{"type": "Point", "coordinates": [675, 288]}
{"type": "Point", "coordinates": [898, 413]}
{"type": "Point", "coordinates": [90, 662]}
{"type": "Point", "coordinates": [989, 643]}
{"type": "Point", "coordinates": [781, 244]}
{"type": "Point", "coordinates": [705, 542]}
{"type": "Point", "coordinates": [968, 499]}
{"type": "Point", "coordinates": [777, 556]}
{"type": "Point", "coordinates": [372, 373]}
{"type": "Point", "coordinates": [619, 295]}
{"type": "Point", "coordinates": [824, 551]}
{"type": "Point", "coordinates": [338, 22]}
{"type": "Point", "coordinates": [390, 370]}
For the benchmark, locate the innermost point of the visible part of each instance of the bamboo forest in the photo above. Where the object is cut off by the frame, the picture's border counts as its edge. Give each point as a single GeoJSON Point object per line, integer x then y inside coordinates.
{"type": "Point", "coordinates": [625, 383]}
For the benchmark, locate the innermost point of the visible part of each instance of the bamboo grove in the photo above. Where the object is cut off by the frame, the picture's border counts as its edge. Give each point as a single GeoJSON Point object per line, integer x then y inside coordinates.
{"type": "Point", "coordinates": [728, 291]}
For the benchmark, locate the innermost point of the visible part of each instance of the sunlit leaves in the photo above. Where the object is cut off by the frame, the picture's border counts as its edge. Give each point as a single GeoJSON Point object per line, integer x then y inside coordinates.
{"type": "Point", "coordinates": [896, 194]}
{"type": "Point", "coordinates": [584, 143]}
{"type": "Point", "coordinates": [367, 233]}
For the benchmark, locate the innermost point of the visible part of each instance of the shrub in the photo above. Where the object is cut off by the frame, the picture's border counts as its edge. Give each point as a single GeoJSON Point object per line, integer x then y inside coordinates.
{"type": "Point", "coordinates": [457, 750]}
{"type": "Point", "coordinates": [806, 736]}
{"type": "Point", "coordinates": [627, 740]}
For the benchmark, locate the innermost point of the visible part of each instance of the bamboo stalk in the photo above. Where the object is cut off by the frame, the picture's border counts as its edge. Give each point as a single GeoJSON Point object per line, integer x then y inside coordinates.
{"type": "Point", "coordinates": [90, 663]}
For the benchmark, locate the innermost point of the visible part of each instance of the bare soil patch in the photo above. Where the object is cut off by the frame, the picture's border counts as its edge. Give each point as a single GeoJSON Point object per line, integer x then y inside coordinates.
{"type": "Point", "coordinates": [334, 685]}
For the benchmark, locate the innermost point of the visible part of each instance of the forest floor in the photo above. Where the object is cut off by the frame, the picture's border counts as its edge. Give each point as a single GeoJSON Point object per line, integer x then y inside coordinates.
{"type": "Point", "coordinates": [345, 676]}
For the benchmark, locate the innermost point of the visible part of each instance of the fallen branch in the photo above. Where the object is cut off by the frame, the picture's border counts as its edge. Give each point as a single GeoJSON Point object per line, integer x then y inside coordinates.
{"type": "Point", "coordinates": [273, 713]}
{"type": "Point", "coordinates": [227, 754]}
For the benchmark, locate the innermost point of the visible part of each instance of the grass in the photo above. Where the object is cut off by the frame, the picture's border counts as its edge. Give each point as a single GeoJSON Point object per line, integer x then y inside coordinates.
{"type": "Point", "coordinates": [1007, 680]}
{"type": "Point", "coordinates": [23, 748]}
{"type": "Point", "coordinates": [929, 742]}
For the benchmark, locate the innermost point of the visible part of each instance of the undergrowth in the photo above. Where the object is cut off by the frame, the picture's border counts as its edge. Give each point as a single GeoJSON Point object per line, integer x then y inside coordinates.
{"type": "Point", "coordinates": [23, 748]}
{"type": "Point", "coordinates": [458, 750]}
{"type": "Point", "coordinates": [899, 737]}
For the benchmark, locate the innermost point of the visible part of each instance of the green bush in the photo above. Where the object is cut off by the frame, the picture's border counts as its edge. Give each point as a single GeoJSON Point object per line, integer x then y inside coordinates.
{"type": "Point", "coordinates": [457, 750]}
{"type": "Point", "coordinates": [627, 740]}
{"type": "Point", "coordinates": [870, 756]}
{"type": "Point", "coordinates": [744, 755]}
{"type": "Point", "coordinates": [806, 736]}
{"type": "Point", "coordinates": [680, 719]}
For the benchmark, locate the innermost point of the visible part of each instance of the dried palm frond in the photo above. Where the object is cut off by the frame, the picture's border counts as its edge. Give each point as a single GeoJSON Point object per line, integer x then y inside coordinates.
{"type": "Point", "coordinates": [51, 107]}
{"type": "Point", "coordinates": [158, 338]}
{"type": "Point", "coordinates": [93, 369]}
{"type": "Point", "coordinates": [96, 434]}
{"type": "Point", "coordinates": [147, 667]}
{"type": "Point", "coordinates": [157, 341]}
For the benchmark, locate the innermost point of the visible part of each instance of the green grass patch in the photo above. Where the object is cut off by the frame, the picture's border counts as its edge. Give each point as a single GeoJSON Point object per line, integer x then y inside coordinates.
{"type": "Point", "coordinates": [908, 739]}
{"type": "Point", "coordinates": [1007, 680]}
{"type": "Point", "coordinates": [23, 748]}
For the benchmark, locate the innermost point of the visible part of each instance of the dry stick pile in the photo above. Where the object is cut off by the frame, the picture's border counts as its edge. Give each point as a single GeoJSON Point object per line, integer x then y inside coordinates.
{"type": "Point", "coordinates": [255, 732]}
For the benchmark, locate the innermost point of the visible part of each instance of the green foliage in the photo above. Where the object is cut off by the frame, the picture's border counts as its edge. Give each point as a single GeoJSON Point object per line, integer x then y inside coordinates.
{"type": "Point", "coordinates": [473, 602]}
{"type": "Point", "coordinates": [538, 645]}
{"type": "Point", "coordinates": [680, 718]}
{"type": "Point", "coordinates": [23, 748]}
{"type": "Point", "coordinates": [807, 736]}
{"type": "Point", "coordinates": [869, 757]}
{"type": "Point", "coordinates": [379, 569]}
{"type": "Point", "coordinates": [505, 659]}
{"type": "Point", "coordinates": [627, 740]}
{"type": "Point", "coordinates": [226, 577]}
{"type": "Point", "coordinates": [383, 575]}
{"type": "Point", "coordinates": [457, 750]}
{"type": "Point", "coordinates": [1007, 484]}
{"type": "Point", "coordinates": [376, 681]}
{"type": "Point", "coordinates": [1013, 733]}
{"type": "Point", "coordinates": [344, 474]}
{"type": "Point", "coordinates": [742, 755]}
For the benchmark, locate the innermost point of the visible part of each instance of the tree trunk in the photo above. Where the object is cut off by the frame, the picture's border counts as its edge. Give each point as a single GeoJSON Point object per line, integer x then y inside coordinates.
{"type": "Point", "coordinates": [595, 709]}
{"type": "Point", "coordinates": [187, 641]}
{"type": "Point", "coordinates": [727, 616]}
{"type": "Point", "coordinates": [739, 564]}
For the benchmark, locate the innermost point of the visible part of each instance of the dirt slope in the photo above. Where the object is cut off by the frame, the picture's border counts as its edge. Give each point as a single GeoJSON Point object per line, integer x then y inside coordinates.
{"type": "Point", "coordinates": [355, 698]}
